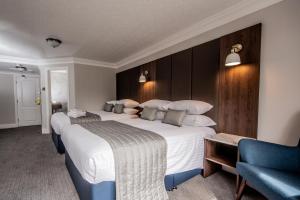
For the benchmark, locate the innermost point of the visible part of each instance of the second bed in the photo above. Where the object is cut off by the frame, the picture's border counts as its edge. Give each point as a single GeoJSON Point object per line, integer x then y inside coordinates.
{"type": "Point", "coordinates": [61, 120]}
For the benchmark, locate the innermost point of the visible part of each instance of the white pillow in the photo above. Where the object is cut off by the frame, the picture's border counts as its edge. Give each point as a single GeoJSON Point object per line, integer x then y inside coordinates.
{"type": "Point", "coordinates": [156, 103]}
{"type": "Point", "coordinates": [128, 103]}
{"type": "Point", "coordinates": [160, 115]}
{"type": "Point", "coordinates": [192, 107]}
{"type": "Point", "coordinates": [198, 120]}
{"type": "Point", "coordinates": [130, 111]}
{"type": "Point", "coordinates": [114, 102]}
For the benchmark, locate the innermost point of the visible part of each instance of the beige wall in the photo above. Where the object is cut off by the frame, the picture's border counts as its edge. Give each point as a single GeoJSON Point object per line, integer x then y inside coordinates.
{"type": "Point", "coordinates": [279, 102]}
{"type": "Point", "coordinates": [7, 99]}
{"type": "Point", "coordinates": [93, 86]}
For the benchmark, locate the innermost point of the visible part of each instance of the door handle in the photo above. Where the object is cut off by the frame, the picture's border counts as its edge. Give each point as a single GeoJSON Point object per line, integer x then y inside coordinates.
{"type": "Point", "coordinates": [37, 101]}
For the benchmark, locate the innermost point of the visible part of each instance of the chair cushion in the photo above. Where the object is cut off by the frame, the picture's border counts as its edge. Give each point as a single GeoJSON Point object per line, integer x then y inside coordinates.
{"type": "Point", "coordinates": [274, 184]}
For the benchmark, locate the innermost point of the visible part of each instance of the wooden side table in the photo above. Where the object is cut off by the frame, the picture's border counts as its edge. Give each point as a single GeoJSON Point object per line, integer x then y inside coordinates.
{"type": "Point", "coordinates": [221, 150]}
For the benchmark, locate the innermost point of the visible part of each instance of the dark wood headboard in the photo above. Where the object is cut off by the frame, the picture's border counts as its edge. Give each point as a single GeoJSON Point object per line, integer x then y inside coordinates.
{"type": "Point", "coordinates": [199, 73]}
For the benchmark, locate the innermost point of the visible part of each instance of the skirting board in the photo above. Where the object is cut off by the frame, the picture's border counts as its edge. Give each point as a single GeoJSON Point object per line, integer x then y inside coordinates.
{"type": "Point", "coordinates": [5, 126]}
{"type": "Point", "coordinates": [45, 131]}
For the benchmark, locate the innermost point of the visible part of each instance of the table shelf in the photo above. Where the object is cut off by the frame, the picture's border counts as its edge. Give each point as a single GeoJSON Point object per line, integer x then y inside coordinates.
{"type": "Point", "coordinates": [222, 160]}
{"type": "Point", "coordinates": [219, 153]}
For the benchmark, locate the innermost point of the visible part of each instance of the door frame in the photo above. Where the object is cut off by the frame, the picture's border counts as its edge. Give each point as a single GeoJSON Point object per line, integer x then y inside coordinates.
{"type": "Point", "coordinates": [48, 94]}
{"type": "Point", "coordinates": [16, 75]}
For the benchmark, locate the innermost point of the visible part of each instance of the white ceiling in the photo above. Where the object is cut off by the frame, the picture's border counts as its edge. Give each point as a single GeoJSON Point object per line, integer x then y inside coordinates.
{"type": "Point", "coordinates": [103, 30]}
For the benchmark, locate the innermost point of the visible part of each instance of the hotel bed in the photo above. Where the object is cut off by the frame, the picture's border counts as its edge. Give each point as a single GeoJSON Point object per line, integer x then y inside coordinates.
{"type": "Point", "coordinates": [90, 159]}
{"type": "Point", "coordinates": [60, 120]}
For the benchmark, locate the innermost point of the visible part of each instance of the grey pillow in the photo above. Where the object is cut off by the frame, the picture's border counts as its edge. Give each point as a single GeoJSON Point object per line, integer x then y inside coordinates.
{"type": "Point", "coordinates": [174, 117]}
{"type": "Point", "coordinates": [108, 107]}
{"type": "Point", "coordinates": [119, 108]}
{"type": "Point", "coordinates": [149, 113]}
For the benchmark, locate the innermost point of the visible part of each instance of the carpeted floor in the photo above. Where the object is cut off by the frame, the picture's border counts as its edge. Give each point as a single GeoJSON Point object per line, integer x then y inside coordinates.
{"type": "Point", "coordinates": [30, 169]}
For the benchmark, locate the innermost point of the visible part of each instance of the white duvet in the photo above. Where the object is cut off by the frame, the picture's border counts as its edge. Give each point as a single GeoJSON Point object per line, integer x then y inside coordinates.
{"type": "Point", "coordinates": [59, 120]}
{"type": "Point", "coordinates": [93, 156]}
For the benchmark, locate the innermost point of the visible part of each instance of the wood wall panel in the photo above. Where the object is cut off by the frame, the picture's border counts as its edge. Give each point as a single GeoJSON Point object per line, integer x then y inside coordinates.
{"type": "Point", "coordinates": [122, 91]}
{"type": "Point", "coordinates": [181, 75]}
{"type": "Point", "coordinates": [199, 73]}
{"type": "Point", "coordinates": [134, 73]}
{"type": "Point", "coordinates": [147, 90]}
{"type": "Point", "coordinates": [239, 85]}
{"type": "Point", "coordinates": [163, 78]}
{"type": "Point", "coordinates": [128, 85]}
{"type": "Point", "coordinates": [205, 69]}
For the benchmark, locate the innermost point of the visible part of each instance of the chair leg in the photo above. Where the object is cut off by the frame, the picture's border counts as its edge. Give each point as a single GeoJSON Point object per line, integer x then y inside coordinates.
{"type": "Point", "coordinates": [240, 191]}
{"type": "Point", "coordinates": [238, 182]}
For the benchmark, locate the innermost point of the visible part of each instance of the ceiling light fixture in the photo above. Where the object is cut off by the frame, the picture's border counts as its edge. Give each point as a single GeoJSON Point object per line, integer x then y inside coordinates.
{"type": "Point", "coordinates": [53, 42]}
{"type": "Point", "coordinates": [20, 68]}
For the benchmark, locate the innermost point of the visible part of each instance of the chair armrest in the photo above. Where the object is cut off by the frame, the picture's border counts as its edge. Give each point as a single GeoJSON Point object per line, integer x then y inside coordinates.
{"type": "Point", "coordinates": [269, 155]}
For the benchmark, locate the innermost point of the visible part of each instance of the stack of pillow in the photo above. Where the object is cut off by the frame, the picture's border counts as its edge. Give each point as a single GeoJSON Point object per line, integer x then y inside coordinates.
{"type": "Point", "coordinates": [75, 113]}
{"type": "Point", "coordinates": [126, 106]}
{"type": "Point", "coordinates": [178, 113]}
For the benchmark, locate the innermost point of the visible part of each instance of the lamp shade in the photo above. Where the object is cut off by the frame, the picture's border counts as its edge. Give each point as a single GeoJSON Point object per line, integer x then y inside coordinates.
{"type": "Point", "coordinates": [233, 59]}
{"type": "Point", "coordinates": [142, 78]}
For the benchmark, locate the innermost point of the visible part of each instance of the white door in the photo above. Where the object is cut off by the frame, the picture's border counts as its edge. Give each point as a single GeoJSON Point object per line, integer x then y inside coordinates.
{"type": "Point", "coordinates": [28, 99]}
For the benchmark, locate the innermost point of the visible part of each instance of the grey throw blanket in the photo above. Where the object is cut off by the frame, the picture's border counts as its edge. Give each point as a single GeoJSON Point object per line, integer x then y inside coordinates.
{"type": "Point", "coordinates": [90, 117]}
{"type": "Point", "coordinates": [140, 160]}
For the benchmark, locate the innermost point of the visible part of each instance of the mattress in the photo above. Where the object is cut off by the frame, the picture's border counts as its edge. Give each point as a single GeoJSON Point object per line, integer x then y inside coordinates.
{"type": "Point", "coordinates": [93, 156]}
{"type": "Point", "coordinates": [59, 120]}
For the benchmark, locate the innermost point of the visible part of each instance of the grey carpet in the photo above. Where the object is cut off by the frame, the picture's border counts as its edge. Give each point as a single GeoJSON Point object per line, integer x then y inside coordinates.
{"type": "Point", "coordinates": [30, 169]}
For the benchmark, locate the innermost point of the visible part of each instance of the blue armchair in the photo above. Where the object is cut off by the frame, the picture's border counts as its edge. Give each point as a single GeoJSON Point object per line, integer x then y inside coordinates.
{"type": "Point", "coordinates": [271, 169]}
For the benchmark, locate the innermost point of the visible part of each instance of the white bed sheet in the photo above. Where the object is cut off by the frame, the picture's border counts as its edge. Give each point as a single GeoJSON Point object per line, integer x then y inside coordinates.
{"type": "Point", "coordinates": [94, 159]}
{"type": "Point", "coordinates": [59, 120]}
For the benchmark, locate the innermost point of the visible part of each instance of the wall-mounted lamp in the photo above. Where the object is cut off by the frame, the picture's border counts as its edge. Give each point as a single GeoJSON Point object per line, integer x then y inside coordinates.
{"type": "Point", "coordinates": [143, 77]}
{"type": "Point", "coordinates": [234, 58]}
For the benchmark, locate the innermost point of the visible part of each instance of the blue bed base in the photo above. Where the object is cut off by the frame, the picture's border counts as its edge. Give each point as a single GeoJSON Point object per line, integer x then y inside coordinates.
{"type": "Point", "coordinates": [106, 190]}
{"type": "Point", "coordinates": [60, 147]}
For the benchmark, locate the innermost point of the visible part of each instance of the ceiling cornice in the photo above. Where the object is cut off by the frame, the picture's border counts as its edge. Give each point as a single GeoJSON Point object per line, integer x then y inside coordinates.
{"type": "Point", "coordinates": [94, 63]}
{"type": "Point", "coordinates": [55, 61]}
{"type": "Point", "coordinates": [230, 14]}
{"type": "Point", "coordinates": [18, 60]}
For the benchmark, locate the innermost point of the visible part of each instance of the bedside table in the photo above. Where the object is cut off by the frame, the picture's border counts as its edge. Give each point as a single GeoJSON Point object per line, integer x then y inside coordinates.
{"type": "Point", "coordinates": [220, 150]}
